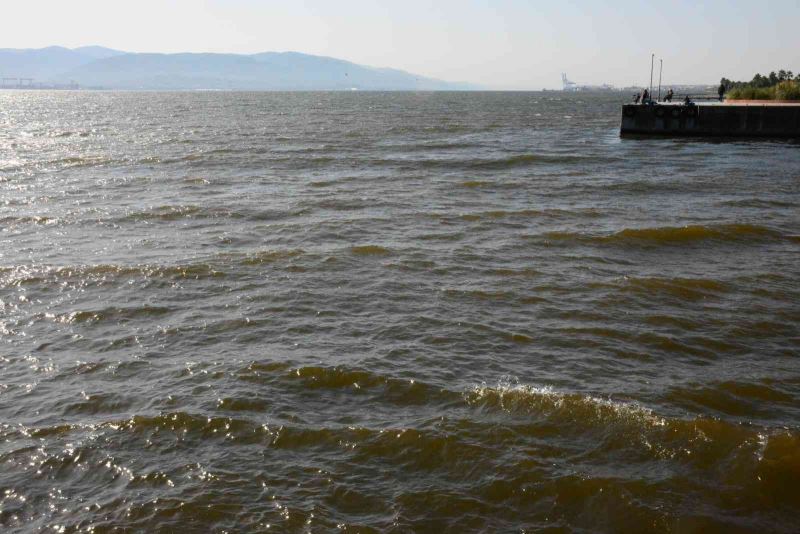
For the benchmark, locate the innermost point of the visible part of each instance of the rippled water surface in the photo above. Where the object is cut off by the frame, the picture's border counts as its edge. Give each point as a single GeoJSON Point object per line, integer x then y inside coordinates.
{"type": "Point", "coordinates": [226, 312]}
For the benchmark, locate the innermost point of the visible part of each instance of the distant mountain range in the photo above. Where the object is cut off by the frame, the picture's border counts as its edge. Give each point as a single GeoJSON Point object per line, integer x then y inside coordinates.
{"type": "Point", "coordinates": [98, 67]}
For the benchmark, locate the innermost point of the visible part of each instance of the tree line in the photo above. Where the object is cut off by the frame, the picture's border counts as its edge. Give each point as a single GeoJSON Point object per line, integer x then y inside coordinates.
{"type": "Point", "coordinates": [762, 82]}
{"type": "Point", "coordinates": [781, 85]}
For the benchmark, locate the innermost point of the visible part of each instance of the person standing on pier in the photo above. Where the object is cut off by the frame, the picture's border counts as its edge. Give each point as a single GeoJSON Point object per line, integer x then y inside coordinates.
{"type": "Point", "coordinates": [721, 92]}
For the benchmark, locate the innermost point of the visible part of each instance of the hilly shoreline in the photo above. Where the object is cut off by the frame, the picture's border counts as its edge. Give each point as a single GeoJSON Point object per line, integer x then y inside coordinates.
{"type": "Point", "coordinates": [96, 67]}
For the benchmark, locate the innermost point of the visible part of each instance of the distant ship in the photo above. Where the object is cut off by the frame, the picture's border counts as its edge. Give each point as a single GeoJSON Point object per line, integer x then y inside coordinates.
{"type": "Point", "coordinates": [572, 87]}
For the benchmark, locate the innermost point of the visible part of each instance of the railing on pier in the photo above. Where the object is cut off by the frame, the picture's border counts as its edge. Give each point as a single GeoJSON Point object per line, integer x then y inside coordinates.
{"type": "Point", "coordinates": [680, 99]}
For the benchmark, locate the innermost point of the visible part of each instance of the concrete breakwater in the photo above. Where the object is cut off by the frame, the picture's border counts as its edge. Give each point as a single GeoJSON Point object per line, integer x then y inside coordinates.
{"type": "Point", "coordinates": [727, 120]}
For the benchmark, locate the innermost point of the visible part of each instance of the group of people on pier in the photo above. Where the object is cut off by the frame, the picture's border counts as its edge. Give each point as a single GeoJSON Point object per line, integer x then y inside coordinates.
{"type": "Point", "coordinates": [644, 97]}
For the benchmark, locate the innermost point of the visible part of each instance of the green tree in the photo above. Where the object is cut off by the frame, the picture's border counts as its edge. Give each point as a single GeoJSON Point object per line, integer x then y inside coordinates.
{"type": "Point", "coordinates": [773, 78]}
{"type": "Point", "coordinates": [781, 85]}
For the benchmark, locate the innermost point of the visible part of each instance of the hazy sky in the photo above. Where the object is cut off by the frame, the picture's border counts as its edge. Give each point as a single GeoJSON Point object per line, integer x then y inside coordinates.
{"type": "Point", "coordinates": [503, 44]}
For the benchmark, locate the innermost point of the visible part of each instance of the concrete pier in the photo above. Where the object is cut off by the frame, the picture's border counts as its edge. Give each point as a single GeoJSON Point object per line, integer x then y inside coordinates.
{"type": "Point", "coordinates": [740, 119]}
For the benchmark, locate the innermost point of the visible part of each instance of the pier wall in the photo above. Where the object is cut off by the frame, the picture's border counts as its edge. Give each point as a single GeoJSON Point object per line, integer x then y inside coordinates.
{"type": "Point", "coordinates": [727, 120]}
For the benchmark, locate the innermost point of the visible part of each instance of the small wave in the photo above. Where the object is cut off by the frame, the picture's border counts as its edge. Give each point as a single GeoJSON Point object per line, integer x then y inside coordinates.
{"type": "Point", "coordinates": [502, 214]}
{"type": "Point", "coordinates": [423, 449]}
{"type": "Point", "coordinates": [170, 213]}
{"type": "Point", "coordinates": [387, 389]}
{"type": "Point", "coordinates": [765, 458]}
{"type": "Point", "coordinates": [337, 377]}
{"type": "Point", "coordinates": [478, 294]}
{"type": "Point", "coordinates": [104, 403]}
{"type": "Point", "coordinates": [271, 256]}
{"type": "Point", "coordinates": [522, 160]}
{"type": "Point", "coordinates": [79, 162]}
{"type": "Point", "coordinates": [442, 128]}
{"type": "Point", "coordinates": [480, 164]}
{"type": "Point", "coordinates": [474, 184]}
{"type": "Point", "coordinates": [183, 423]}
{"type": "Point", "coordinates": [111, 314]}
{"type": "Point", "coordinates": [36, 274]}
{"type": "Point", "coordinates": [427, 147]}
{"type": "Point", "coordinates": [622, 424]}
{"type": "Point", "coordinates": [513, 397]}
{"type": "Point", "coordinates": [336, 204]}
{"type": "Point", "coordinates": [532, 213]}
{"type": "Point", "coordinates": [370, 250]}
{"type": "Point", "coordinates": [196, 180]}
{"type": "Point", "coordinates": [683, 288]}
{"type": "Point", "coordinates": [687, 234]}
{"type": "Point", "coordinates": [511, 273]}
{"type": "Point", "coordinates": [243, 404]}
{"type": "Point", "coordinates": [36, 219]}
{"type": "Point", "coordinates": [758, 203]}
{"type": "Point", "coordinates": [69, 133]}
{"type": "Point", "coordinates": [411, 448]}
{"type": "Point", "coordinates": [323, 183]}
{"type": "Point", "coordinates": [741, 399]}
{"type": "Point", "coordinates": [669, 235]}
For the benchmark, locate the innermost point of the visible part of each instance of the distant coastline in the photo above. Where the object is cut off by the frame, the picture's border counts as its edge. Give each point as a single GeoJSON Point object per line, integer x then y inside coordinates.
{"type": "Point", "coordinates": [96, 67]}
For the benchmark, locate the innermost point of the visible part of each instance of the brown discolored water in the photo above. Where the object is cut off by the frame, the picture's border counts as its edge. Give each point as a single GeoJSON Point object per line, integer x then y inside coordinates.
{"type": "Point", "coordinates": [231, 312]}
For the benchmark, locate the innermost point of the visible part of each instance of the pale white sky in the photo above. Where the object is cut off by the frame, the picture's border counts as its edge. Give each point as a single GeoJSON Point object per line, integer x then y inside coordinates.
{"type": "Point", "coordinates": [503, 44]}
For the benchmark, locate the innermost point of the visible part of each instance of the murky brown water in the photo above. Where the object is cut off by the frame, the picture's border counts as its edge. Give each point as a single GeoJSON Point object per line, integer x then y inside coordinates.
{"type": "Point", "coordinates": [392, 313]}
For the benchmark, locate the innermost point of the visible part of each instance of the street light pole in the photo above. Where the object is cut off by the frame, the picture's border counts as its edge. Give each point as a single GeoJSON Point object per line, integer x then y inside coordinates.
{"type": "Point", "coordinates": [660, 71]}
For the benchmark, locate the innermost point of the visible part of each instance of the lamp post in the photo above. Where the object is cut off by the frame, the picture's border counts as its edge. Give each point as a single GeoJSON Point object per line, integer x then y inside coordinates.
{"type": "Point", "coordinates": [660, 71]}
